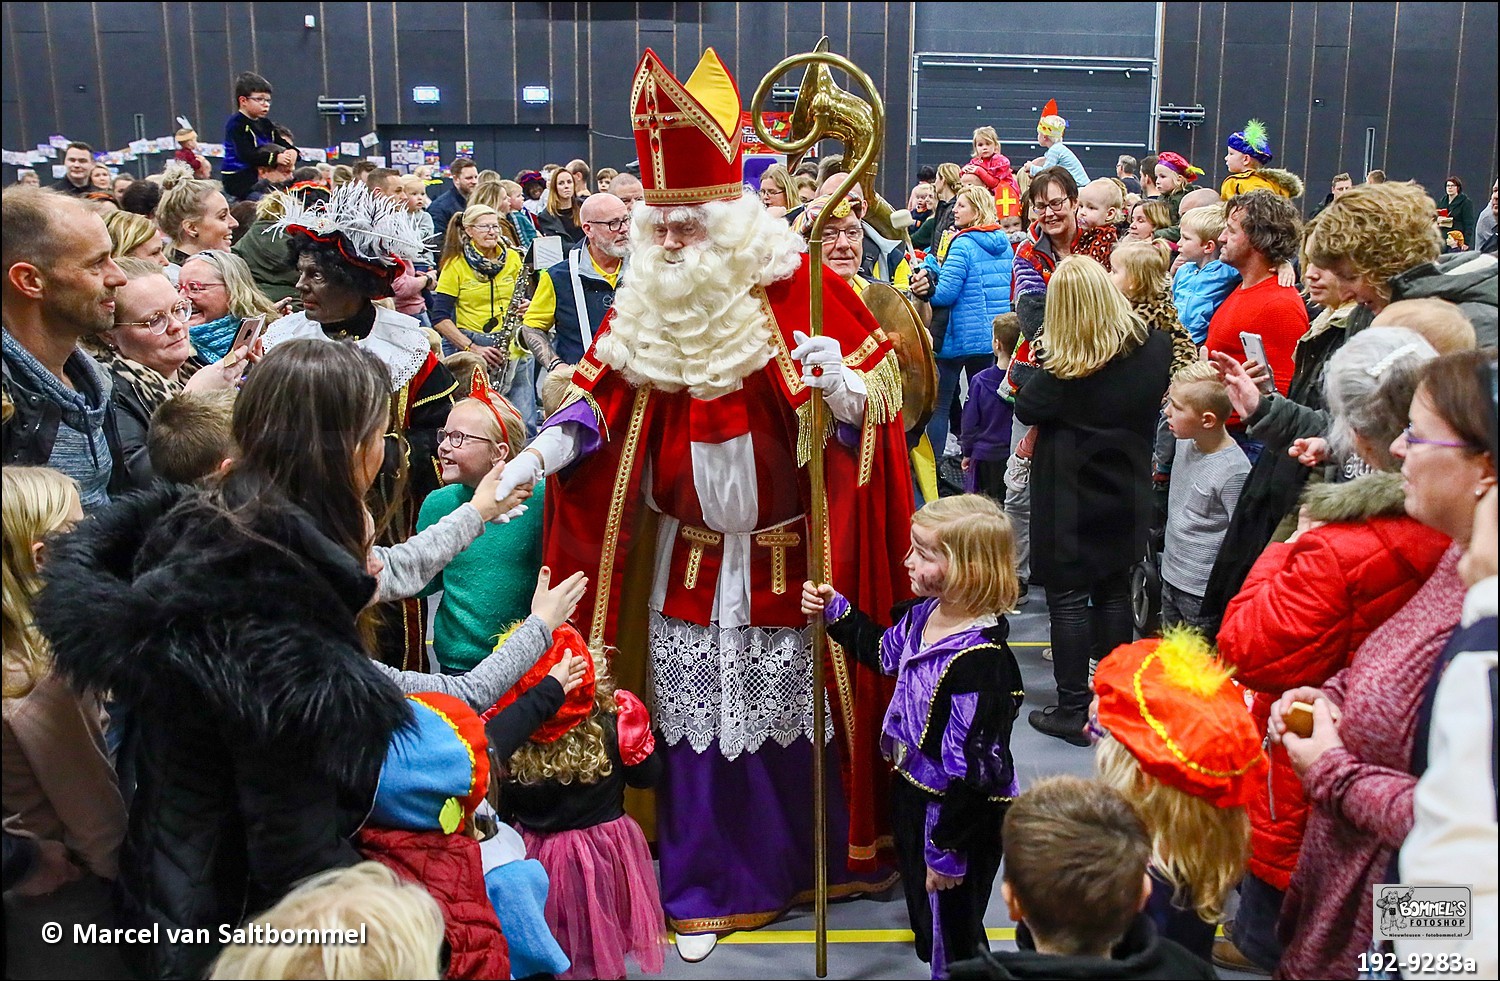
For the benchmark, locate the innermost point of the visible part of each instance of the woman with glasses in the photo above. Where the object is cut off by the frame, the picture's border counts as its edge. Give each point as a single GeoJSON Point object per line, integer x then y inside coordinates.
{"type": "Point", "coordinates": [1358, 768]}
{"type": "Point", "coordinates": [477, 275]}
{"type": "Point", "coordinates": [1310, 602]}
{"type": "Point", "coordinates": [147, 354]}
{"type": "Point", "coordinates": [777, 192]}
{"type": "Point", "coordinates": [218, 286]}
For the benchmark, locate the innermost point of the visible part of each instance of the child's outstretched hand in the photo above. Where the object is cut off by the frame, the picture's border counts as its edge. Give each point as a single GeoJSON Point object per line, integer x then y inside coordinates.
{"type": "Point", "coordinates": [555, 604]}
{"type": "Point", "coordinates": [568, 672]}
{"type": "Point", "coordinates": [815, 598]}
{"type": "Point", "coordinates": [507, 507]}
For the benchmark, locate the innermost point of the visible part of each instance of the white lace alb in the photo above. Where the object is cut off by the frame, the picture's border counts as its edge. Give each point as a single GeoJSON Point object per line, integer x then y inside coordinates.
{"type": "Point", "coordinates": [737, 685]}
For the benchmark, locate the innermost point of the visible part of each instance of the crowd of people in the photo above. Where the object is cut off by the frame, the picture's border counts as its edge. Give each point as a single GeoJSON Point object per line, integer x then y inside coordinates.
{"type": "Point", "coordinates": [356, 561]}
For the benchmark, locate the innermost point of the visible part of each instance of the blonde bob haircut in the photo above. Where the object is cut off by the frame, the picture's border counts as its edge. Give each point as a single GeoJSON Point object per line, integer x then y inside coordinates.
{"type": "Point", "coordinates": [402, 930]}
{"type": "Point", "coordinates": [979, 543]}
{"type": "Point", "coordinates": [782, 178]}
{"type": "Point", "coordinates": [1147, 267]}
{"type": "Point", "coordinates": [986, 133]}
{"type": "Point", "coordinates": [981, 200]}
{"type": "Point", "coordinates": [1198, 848]}
{"type": "Point", "coordinates": [37, 501]}
{"type": "Point", "coordinates": [128, 232]}
{"type": "Point", "coordinates": [1088, 322]}
{"type": "Point", "coordinates": [1381, 230]}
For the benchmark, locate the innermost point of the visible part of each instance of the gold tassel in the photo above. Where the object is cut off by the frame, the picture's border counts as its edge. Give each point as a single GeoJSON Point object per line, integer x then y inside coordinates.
{"type": "Point", "coordinates": [575, 394]}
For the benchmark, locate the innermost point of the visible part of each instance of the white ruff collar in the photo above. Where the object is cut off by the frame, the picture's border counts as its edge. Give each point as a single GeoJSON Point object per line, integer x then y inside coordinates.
{"type": "Point", "coordinates": [396, 339]}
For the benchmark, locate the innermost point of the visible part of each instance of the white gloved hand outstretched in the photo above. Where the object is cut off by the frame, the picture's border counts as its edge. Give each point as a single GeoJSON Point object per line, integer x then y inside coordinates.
{"type": "Point", "coordinates": [822, 362]}
{"type": "Point", "coordinates": [526, 468]}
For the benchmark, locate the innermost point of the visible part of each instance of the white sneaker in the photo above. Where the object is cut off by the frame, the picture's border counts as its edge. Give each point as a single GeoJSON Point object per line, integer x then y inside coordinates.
{"type": "Point", "coordinates": [694, 947]}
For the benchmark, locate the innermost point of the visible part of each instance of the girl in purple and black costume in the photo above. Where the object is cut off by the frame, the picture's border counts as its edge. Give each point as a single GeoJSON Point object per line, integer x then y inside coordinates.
{"type": "Point", "coordinates": [947, 730]}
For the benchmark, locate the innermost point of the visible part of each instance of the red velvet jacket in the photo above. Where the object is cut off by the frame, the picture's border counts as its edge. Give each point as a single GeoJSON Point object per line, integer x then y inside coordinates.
{"type": "Point", "coordinates": [1302, 613]}
{"type": "Point", "coordinates": [449, 868]}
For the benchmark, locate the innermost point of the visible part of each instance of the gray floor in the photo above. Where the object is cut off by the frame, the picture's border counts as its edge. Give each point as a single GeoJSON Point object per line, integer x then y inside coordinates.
{"type": "Point", "coordinates": [870, 938]}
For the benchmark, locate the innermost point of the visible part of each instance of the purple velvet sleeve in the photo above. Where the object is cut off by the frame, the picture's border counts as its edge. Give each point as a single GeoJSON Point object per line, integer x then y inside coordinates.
{"type": "Point", "coordinates": [837, 608]}
{"type": "Point", "coordinates": [582, 413]}
{"type": "Point", "coordinates": [947, 863]}
{"type": "Point", "coordinates": [960, 718]}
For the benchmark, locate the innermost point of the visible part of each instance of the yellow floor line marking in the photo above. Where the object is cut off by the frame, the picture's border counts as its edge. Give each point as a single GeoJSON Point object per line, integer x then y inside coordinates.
{"type": "Point", "coordinates": [753, 937]}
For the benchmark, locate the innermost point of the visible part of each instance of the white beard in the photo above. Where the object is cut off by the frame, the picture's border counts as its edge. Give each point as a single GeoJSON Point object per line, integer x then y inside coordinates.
{"type": "Point", "coordinates": [698, 323]}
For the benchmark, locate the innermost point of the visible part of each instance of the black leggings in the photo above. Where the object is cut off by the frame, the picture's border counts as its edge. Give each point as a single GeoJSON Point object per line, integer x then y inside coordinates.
{"type": "Point", "coordinates": [1087, 623]}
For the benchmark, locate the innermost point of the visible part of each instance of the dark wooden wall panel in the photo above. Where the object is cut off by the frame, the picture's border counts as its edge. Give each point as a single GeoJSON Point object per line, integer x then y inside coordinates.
{"type": "Point", "coordinates": [1318, 73]}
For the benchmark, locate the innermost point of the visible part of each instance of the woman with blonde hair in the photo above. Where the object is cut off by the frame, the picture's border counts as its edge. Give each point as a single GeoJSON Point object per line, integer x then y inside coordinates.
{"type": "Point", "coordinates": [1094, 401]}
{"type": "Point", "coordinates": [194, 214]}
{"type": "Point", "coordinates": [136, 236]}
{"type": "Point", "coordinates": [777, 191]}
{"type": "Point", "coordinates": [219, 286]}
{"type": "Point", "coordinates": [1142, 272]}
{"type": "Point", "coordinates": [60, 786]}
{"type": "Point", "coordinates": [477, 274]}
{"type": "Point", "coordinates": [560, 216]}
{"type": "Point", "coordinates": [949, 180]}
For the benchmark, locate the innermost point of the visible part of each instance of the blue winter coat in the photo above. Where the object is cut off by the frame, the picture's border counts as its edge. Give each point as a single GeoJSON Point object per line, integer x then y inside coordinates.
{"type": "Point", "coordinates": [974, 281]}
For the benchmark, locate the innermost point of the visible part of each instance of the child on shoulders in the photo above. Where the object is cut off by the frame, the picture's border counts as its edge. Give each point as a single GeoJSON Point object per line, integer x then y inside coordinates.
{"type": "Point", "coordinates": [947, 730]}
{"type": "Point", "coordinates": [993, 167]}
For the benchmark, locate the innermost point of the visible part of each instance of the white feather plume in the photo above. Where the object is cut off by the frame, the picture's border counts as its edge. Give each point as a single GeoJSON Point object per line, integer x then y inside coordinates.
{"type": "Point", "coordinates": [377, 228]}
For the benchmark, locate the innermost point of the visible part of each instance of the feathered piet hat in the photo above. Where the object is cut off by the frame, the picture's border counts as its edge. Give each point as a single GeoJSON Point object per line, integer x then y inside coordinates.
{"type": "Point", "coordinates": [437, 768]}
{"type": "Point", "coordinates": [1177, 163]}
{"type": "Point", "coordinates": [371, 232]}
{"type": "Point", "coordinates": [1171, 703]}
{"type": "Point", "coordinates": [1051, 124]}
{"type": "Point", "coordinates": [578, 703]}
{"type": "Point", "coordinates": [688, 134]}
{"type": "Point", "coordinates": [1252, 141]}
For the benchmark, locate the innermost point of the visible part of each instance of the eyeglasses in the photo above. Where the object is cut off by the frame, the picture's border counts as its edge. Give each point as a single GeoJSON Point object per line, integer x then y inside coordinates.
{"type": "Point", "coordinates": [198, 289]}
{"type": "Point", "coordinates": [1419, 441]}
{"type": "Point", "coordinates": [614, 225]}
{"type": "Point", "coordinates": [264, 100]}
{"type": "Point", "coordinates": [851, 235]}
{"type": "Point", "coordinates": [484, 228]}
{"type": "Point", "coordinates": [162, 319]}
{"type": "Point", "coordinates": [1060, 206]}
{"type": "Point", "coordinates": [457, 438]}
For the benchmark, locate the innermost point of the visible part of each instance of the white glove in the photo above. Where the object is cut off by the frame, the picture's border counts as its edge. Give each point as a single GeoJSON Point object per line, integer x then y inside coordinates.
{"type": "Point", "coordinates": [526, 468]}
{"type": "Point", "coordinates": [823, 367]}
{"type": "Point", "coordinates": [506, 518]}
{"type": "Point", "coordinates": [822, 362]}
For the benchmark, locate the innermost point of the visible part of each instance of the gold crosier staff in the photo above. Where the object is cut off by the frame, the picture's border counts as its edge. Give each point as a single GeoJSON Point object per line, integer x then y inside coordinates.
{"type": "Point", "coordinates": [819, 518]}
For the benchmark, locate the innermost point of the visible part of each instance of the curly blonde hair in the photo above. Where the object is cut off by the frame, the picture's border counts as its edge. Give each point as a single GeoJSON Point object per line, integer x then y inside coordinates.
{"type": "Point", "coordinates": [1198, 848]}
{"type": "Point", "coordinates": [1147, 267]}
{"type": "Point", "coordinates": [1381, 230]}
{"type": "Point", "coordinates": [1088, 322]}
{"type": "Point", "coordinates": [581, 755]}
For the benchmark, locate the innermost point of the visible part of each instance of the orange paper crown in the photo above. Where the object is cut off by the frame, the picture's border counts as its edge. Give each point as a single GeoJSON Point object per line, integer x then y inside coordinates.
{"type": "Point", "coordinates": [1171, 703]}
{"type": "Point", "coordinates": [688, 135]}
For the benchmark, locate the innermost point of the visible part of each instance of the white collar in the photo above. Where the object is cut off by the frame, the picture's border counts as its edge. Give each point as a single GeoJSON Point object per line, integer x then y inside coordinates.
{"type": "Point", "coordinates": [396, 339]}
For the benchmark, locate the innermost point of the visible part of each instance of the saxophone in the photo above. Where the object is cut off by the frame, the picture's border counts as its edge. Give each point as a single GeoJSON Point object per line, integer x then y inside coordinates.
{"type": "Point", "coordinates": [511, 323]}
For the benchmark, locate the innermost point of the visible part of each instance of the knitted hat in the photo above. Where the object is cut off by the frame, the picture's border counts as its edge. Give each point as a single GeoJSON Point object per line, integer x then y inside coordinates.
{"type": "Point", "coordinates": [437, 769]}
{"type": "Point", "coordinates": [1170, 702]}
{"type": "Point", "coordinates": [1252, 141]}
{"type": "Point", "coordinates": [1177, 163]}
{"type": "Point", "coordinates": [1051, 124]}
{"type": "Point", "coordinates": [579, 702]}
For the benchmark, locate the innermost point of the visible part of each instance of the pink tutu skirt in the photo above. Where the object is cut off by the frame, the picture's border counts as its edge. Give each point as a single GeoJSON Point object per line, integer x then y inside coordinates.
{"type": "Point", "coordinates": [603, 901]}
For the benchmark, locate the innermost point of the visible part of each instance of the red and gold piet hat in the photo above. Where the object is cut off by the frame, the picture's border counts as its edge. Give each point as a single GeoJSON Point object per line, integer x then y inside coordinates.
{"type": "Point", "coordinates": [1171, 703]}
{"type": "Point", "coordinates": [688, 135]}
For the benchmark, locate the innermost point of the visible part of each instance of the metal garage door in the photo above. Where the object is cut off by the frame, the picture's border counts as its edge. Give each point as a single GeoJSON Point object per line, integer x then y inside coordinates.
{"type": "Point", "coordinates": [1109, 103]}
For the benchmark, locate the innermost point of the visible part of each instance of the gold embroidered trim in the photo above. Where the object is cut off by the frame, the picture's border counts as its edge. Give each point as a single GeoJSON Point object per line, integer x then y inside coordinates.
{"type": "Point", "coordinates": [753, 921]}
{"type": "Point", "coordinates": [699, 538]}
{"type": "Point", "coordinates": [882, 404]}
{"type": "Point", "coordinates": [939, 793]}
{"type": "Point", "coordinates": [694, 195]}
{"type": "Point", "coordinates": [857, 357]}
{"type": "Point", "coordinates": [589, 370]}
{"type": "Point", "coordinates": [778, 542]}
{"type": "Point", "coordinates": [836, 654]}
{"type": "Point", "coordinates": [684, 103]}
{"type": "Point", "coordinates": [1171, 744]}
{"type": "Point", "coordinates": [445, 393]}
{"type": "Point", "coordinates": [605, 581]}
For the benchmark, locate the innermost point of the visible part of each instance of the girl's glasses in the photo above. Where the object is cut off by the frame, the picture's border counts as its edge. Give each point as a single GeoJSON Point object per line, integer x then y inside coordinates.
{"type": "Point", "coordinates": [457, 438]}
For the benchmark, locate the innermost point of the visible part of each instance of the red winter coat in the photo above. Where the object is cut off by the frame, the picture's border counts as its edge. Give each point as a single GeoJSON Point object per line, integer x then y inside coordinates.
{"type": "Point", "coordinates": [449, 868]}
{"type": "Point", "coordinates": [1302, 613]}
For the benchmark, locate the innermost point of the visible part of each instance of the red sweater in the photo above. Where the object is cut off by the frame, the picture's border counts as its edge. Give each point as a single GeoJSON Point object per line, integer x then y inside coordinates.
{"type": "Point", "coordinates": [1273, 311]}
{"type": "Point", "coordinates": [1303, 611]}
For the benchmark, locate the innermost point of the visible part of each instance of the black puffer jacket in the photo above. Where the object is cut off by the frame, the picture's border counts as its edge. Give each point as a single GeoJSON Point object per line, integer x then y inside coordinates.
{"type": "Point", "coordinates": [257, 726]}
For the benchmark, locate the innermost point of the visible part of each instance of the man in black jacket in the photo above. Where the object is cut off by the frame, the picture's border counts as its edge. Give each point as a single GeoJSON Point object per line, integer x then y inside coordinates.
{"type": "Point", "coordinates": [465, 174]}
{"type": "Point", "coordinates": [78, 159]}
{"type": "Point", "coordinates": [59, 287]}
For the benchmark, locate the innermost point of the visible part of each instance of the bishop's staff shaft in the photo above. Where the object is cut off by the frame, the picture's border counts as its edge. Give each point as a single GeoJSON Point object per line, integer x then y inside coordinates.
{"type": "Point", "coordinates": [817, 571]}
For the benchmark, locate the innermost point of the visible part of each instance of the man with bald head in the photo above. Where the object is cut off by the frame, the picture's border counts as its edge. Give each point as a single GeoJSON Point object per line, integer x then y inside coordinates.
{"type": "Point", "coordinates": [573, 296]}
{"type": "Point", "coordinates": [627, 187]}
{"type": "Point", "coordinates": [1201, 197]}
{"type": "Point", "coordinates": [59, 288]}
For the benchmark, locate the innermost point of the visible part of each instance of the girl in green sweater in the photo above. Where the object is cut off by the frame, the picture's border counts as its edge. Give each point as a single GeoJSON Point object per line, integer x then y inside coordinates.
{"type": "Point", "coordinates": [488, 586]}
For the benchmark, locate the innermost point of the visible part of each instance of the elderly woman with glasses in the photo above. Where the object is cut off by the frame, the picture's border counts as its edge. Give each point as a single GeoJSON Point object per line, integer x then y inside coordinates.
{"type": "Point", "coordinates": [148, 354]}
{"type": "Point", "coordinates": [222, 292]}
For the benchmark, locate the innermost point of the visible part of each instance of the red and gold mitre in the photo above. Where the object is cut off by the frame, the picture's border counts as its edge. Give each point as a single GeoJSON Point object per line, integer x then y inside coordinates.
{"type": "Point", "coordinates": [688, 135]}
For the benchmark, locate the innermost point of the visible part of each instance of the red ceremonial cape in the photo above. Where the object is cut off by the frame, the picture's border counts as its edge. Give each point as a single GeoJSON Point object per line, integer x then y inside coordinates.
{"type": "Point", "coordinates": [594, 519]}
